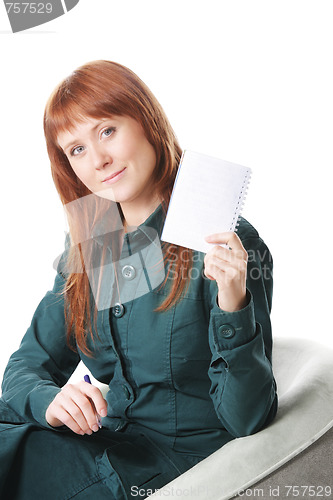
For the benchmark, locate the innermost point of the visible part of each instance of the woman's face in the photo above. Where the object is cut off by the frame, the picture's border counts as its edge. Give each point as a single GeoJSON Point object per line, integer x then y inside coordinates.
{"type": "Point", "coordinates": [112, 157]}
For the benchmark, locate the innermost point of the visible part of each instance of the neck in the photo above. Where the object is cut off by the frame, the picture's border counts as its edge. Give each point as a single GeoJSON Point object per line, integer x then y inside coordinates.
{"type": "Point", "coordinates": [134, 216]}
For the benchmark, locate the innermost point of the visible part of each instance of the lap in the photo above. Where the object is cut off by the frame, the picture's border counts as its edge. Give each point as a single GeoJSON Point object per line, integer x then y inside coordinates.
{"type": "Point", "coordinates": [42, 463]}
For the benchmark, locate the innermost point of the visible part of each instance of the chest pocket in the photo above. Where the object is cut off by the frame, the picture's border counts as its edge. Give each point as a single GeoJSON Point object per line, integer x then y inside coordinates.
{"type": "Point", "coordinates": [189, 350]}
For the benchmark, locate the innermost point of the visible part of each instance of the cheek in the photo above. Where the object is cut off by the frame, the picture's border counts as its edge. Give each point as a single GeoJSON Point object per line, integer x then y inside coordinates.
{"type": "Point", "coordinates": [136, 148]}
{"type": "Point", "coordinates": [83, 174]}
{"type": "Point", "coordinates": [150, 156]}
{"type": "Point", "coordinates": [146, 156]}
{"type": "Point", "coordinates": [127, 149]}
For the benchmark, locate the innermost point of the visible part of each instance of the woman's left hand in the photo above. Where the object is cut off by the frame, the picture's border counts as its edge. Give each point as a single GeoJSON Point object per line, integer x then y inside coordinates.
{"type": "Point", "coordinates": [228, 267]}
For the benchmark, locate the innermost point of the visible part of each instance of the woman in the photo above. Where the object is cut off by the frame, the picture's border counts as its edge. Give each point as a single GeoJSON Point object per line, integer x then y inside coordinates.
{"type": "Point", "coordinates": [187, 355]}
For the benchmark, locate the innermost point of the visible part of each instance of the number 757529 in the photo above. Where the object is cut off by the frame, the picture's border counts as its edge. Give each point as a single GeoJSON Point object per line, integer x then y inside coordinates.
{"type": "Point", "coordinates": [29, 7]}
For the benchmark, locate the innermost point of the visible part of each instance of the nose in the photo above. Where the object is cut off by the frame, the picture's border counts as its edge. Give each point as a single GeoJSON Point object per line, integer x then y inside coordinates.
{"type": "Point", "coordinates": [100, 157]}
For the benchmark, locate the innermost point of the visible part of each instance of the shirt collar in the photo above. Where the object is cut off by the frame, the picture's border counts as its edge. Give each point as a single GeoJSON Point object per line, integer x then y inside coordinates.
{"type": "Point", "coordinates": [150, 228]}
{"type": "Point", "coordinates": [154, 221]}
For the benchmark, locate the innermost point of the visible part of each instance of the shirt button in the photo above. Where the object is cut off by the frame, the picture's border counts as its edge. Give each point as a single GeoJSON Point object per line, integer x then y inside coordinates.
{"type": "Point", "coordinates": [126, 392]}
{"type": "Point", "coordinates": [128, 272]}
{"type": "Point", "coordinates": [227, 331]}
{"type": "Point", "coordinates": [118, 310]}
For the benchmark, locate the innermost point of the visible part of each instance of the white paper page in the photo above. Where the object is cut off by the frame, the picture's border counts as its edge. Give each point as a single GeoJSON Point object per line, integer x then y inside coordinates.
{"type": "Point", "coordinates": [207, 198]}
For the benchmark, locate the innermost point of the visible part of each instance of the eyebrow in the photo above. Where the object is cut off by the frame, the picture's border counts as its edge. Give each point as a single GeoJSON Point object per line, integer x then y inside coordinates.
{"type": "Point", "coordinates": [72, 143]}
{"type": "Point", "coordinates": [69, 145]}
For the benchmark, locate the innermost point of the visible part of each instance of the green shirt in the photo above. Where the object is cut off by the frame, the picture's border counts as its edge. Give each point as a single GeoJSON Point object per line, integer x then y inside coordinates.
{"type": "Point", "coordinates": [192, 377]}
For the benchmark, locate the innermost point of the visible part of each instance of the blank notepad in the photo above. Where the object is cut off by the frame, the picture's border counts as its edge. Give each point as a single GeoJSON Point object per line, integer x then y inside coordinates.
{"type": "Point", "coordinates": [207, 198]}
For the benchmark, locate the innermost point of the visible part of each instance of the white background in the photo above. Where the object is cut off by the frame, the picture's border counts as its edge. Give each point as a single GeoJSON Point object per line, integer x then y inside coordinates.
{"type": "Point", "coordinates": [247, 81]}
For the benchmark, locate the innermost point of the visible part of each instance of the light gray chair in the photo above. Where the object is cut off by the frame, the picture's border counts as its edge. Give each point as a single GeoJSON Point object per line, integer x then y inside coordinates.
{"type": "Point", "coordinates": [293, 457]}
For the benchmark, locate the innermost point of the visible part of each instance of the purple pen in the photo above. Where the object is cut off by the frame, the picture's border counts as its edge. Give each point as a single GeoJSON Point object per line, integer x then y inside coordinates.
{"type": "Point", "coordinates": [86, 378]}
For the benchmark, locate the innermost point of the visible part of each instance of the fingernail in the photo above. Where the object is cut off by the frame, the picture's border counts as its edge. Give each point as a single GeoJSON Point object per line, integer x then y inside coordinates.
{"type": "Point", "coordinates": [95, 428]}
{"type": "Point", "coordinates": [103, 413]}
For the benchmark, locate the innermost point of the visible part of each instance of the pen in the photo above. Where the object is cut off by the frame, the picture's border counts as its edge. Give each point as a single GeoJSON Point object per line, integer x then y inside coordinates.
{"type": "Point", "coordinates": [86, 378]}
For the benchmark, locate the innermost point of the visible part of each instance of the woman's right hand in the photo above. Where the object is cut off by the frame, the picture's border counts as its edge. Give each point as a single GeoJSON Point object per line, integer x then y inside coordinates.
{"type": "Point", "coordinates": [77, 406]}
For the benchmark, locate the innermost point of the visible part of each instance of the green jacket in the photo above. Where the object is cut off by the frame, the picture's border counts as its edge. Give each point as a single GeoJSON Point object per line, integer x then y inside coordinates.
{"type": "Point", "coordinates": [191, 378]}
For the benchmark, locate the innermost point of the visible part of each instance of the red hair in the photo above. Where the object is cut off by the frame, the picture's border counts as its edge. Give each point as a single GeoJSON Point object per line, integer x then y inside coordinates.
{"type": "Point", "coordinates": [100, 89]}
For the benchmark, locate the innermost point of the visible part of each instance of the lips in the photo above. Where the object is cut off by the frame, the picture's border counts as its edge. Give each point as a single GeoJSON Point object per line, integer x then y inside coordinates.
{"type": "Point", "coordinates": [112, 176]}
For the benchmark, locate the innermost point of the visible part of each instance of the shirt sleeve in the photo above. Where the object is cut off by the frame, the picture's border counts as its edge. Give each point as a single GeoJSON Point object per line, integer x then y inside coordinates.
{"type": "Point", "coordinates": [243, 388]}
{"type": "Point", "coordinates": [43, 363]}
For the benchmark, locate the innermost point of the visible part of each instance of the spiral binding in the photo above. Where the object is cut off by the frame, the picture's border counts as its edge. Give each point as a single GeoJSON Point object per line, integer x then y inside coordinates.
{"type": "Point", "coordinates": [241, 201]}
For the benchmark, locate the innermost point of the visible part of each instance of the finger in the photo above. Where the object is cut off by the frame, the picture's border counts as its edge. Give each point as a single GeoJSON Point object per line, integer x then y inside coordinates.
{"type": "Point", "coordinates": [223, 271]}
{"type": "Point", "coordinates": [67, 419]}
{"type": "Point", "coordinates": [81, 410]}
{"type": "Point", "coordinates": [96, 396]}
{"type": "Point", "coordinates": [215, 273]}
{"type": "Point", "coordinates": [228, 255]}
{"type": "Point", "coordinates": [78, 404]}
{"type": "Point", "coordinates": [223, 260]}
{"type": "Point", "coordinates": [229, 238]}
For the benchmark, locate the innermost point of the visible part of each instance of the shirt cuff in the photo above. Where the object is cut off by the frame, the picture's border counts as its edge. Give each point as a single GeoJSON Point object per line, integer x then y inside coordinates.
{"type": "Point", "coordinates": [40, 399]}
{"type": "Point", "coordinates": [233, 329]}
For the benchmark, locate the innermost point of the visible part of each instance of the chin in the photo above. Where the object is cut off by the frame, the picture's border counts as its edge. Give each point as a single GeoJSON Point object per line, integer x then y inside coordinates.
{"type": "Point", "coordinates": [114, 195]}
{"type": "Point", "coordinates": [106, 193]}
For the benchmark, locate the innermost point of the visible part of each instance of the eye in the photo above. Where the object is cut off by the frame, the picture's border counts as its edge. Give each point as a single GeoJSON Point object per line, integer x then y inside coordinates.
{"type": "Point", "coordinates": [108, 131]}
{"type": "Point", "coordinates": [77, 150]}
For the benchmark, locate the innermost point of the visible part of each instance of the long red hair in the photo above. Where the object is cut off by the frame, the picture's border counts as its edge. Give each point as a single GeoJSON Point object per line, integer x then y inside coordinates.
{"type": "Point", "coordinates": [100, 89]}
